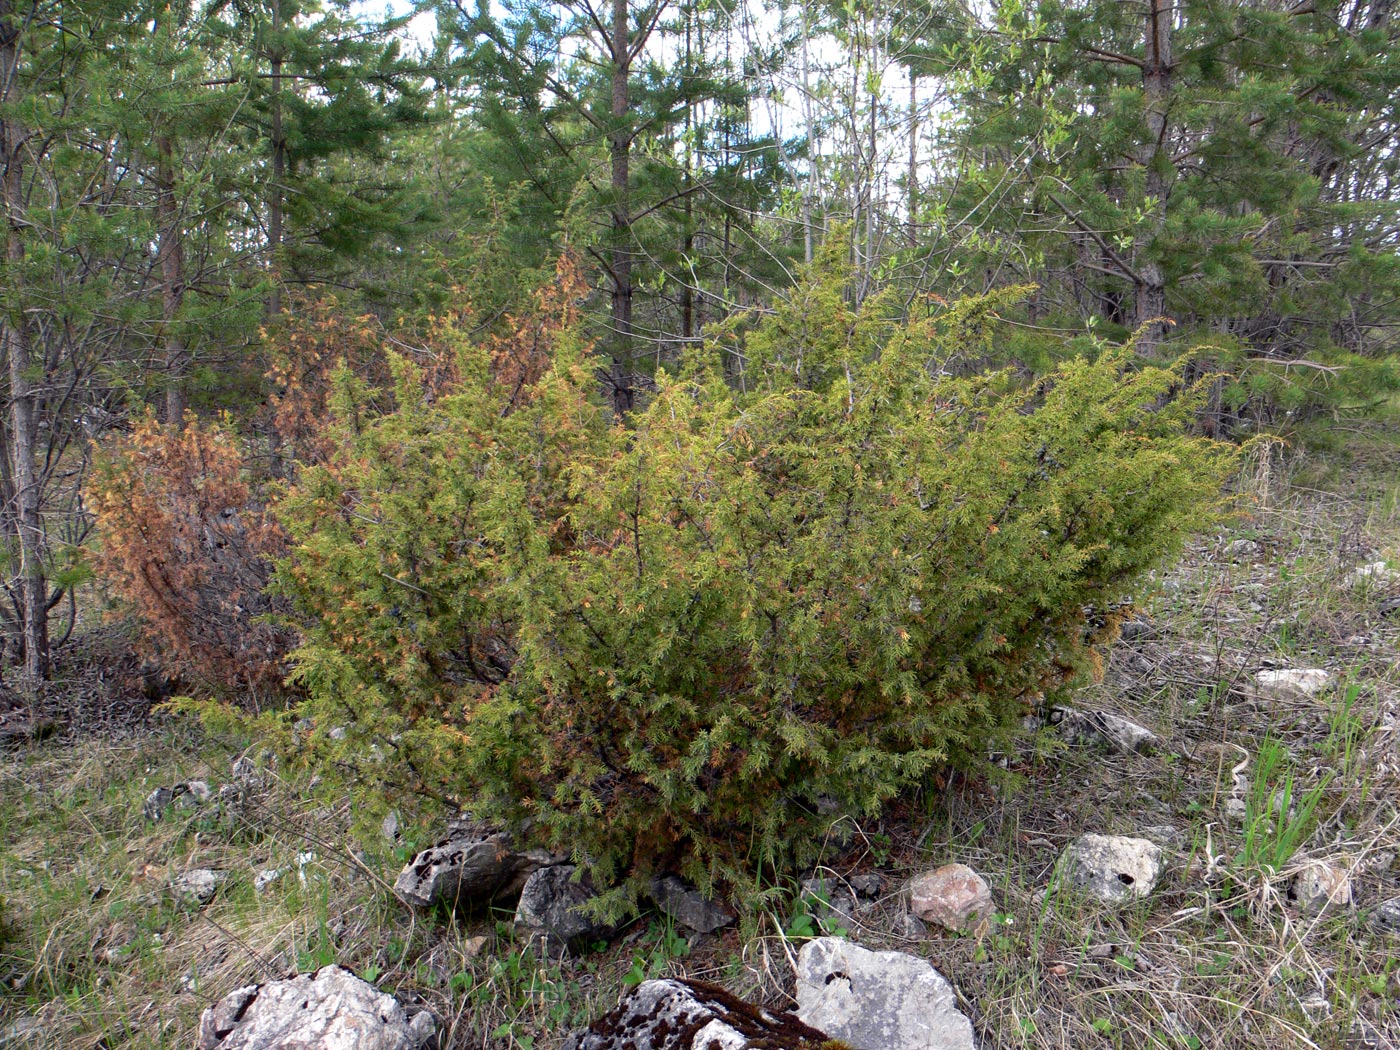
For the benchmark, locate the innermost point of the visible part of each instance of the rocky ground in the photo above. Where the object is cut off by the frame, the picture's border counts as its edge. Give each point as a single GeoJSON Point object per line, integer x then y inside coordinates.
{"type": "Point", "coordinates": [1238, 811]}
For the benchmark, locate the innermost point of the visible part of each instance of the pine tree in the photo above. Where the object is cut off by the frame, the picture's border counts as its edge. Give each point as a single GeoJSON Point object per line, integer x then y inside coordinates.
{"type": "Point", "coordinates": [1219, 164]}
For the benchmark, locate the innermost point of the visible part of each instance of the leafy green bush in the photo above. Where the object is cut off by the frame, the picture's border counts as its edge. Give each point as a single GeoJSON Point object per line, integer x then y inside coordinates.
{"type": "Point", "coordinates": [694, 642]}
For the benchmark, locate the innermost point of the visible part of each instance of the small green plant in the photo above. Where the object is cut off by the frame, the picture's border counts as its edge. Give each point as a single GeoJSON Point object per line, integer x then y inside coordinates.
{"type": "Point", "coordinates": [1278, 818]}
{"type": "Point", "coordinates": [1344, 730]}
{"type": "Point", "coordinates": [668, 946]}
{"type": "Point", "coordinates": [802, 924]}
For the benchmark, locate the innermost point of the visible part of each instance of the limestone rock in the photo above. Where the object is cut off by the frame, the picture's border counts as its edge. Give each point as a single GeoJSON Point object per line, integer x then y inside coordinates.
{"type": "Point", "coordinates": [1320, 886]}
{"type": "Point", "coordinates": [688, 1015]}
{"type": "Point", "coordinates": [1291, 683]}
{"type": "Point", "coordinates": [1375, 574]}
{"type": "Point", "coordinates": [1242, 548]}
{"type": "Point", "coordinates": [878, 1000]}
{"type": "Point", "coordinates": [156, 802]}
{"type": "Point", "coordinates": [1386, 916]}
{"type": "Point", "coordinates": [685, 904]}
{"type": "Point", "coordinates": [466, 870]}
{"type": "Point", "coordinates": [1136, 630]}
{"type": "Point", "coordinates": [189, 795]}
{"type": "Point", "coordinates": [26, 1030]}
{"type": "Point", "coordinates": [331, 1008]}
{"type": "Point", "coordinates": [1103, 726]}
{"type": "Point", "coordinates": [1113, 868]}
{"type": "Point", "coordinates": [551, 910]}
{"type": "Point", "coordinates": [192, 795]}
{"type": "Point", "coordinates": [954, 896]}
{"type": "Point", "coordinates": [198, 885]}
{"type": "Point", "coordinates": [868, 886]}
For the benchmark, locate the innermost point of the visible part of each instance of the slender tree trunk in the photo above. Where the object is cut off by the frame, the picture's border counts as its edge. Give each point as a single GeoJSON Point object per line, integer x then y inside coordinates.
{"type": "Point", "coordinates": [1150, 292]}
{"type": "Point", "coordinates": [809, 188]}
{"type": "Point", "coordinates": [620, 261]}
{"type": "Point", "coordinates": [170, 254]}
{"type": "Point", "coordinates": [687, 177]}
{"type": "Point", "coordinates": [276, 188]}
{"type": "Point", "coordinates": [913, 189]}
{"type": "Point", "coordinates": [22, 438]}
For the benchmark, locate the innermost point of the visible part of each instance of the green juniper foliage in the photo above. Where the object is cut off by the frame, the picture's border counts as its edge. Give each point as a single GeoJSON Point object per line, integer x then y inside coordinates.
{"type": "Point", "coordinates": [695, 641]}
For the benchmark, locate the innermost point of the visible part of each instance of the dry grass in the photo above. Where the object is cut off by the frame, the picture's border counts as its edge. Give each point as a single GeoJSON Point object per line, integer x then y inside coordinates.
{"type": "Point", "coordinates": [99, 953]}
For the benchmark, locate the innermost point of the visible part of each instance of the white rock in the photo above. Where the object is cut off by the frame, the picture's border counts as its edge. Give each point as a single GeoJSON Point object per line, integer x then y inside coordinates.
{"type": "Point", "coordinates": [954, 896]}
{"type": "Point", "coordinates": [1115, 730]}
{"type": "Point", "coordinates": [1113, 868]}
{"type": "Point", "coordinates": [1377, 573]}
{"type": "Point", "coordinates": [878, 1000]}
{"type": "Point", "coordinates": [1291, 684]}
{"type": "Point", "coordinates": [263, 879]}
{"type": "Point", "coordinates": [198, 885]}
{"type": "Point", "coordinates": [331, 1009]}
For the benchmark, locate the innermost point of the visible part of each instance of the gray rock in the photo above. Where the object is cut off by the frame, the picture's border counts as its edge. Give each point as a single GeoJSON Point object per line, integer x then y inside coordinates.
{"type": "Point", "coordinates": [954, 896]}
{"type": "Point", "coordinates": [1376, 574]}
{"type": "Point", "coordinates": [1113, 868]}
{"type": "Point", "coordinates": [1386, 916]}
{"type": "Point", "coordinates": [192, 795]}
{"type": "Point", "coordinates": [551, 910]}
{"type": "Point", "coordinates": [1291, 683]}
{"type": "Point", "coordinates": [470, 870]}
{"type": "Point", "coordinates": [1319, 886]}
{"type": "Point", "coordinates": [156, 803]}
{"type": "Point", "coordinates": [389, 827]}
{"type": "Point", "coordinates": [1105, 727]}
{"type": "Point", "coordinates": [1135, 630]}
{"type": "Point", "coordinates": [24, 1031]}
{"type": "Point", "coordinates": [1241, 548]}
{"type": "Point", "coordinates": [868, 886]}
{"type": "Point", "coordinates": [878, 1000]}
{"type": "Point", "coordinates": [331, 1009]}
{"type": "Point", "coordinates": [263, 879]}
{"type": "Point", "coordinates": [912, 927]}
{"type": "Point", "coordinates": [197, 886]}
{"type": "Point", "coordinates": [685, 904]}
{"type": "Point", "coordinates": [687, 1015]}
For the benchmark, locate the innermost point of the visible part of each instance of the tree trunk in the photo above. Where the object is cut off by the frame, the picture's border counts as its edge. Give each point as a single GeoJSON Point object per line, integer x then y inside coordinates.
{"type": "Point", "coordinates": [170, 255]}
{"type": "Point", "coordinates": [23, 415]}
{"type": "Point", "coordinates": [620, 261]}
{"type": "Point", "coordinates": [279, 170]}
{"type": "Point", "coordinates": [912, 191]}
{"type": "Point", "coordinates": [809, 187]}
{"type": "Point", "coordinates": [1150, 292]}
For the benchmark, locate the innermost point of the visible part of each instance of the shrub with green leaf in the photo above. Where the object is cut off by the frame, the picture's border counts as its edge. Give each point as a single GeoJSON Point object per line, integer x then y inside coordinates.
{"type": "Point", "coordinates": [693, 642]}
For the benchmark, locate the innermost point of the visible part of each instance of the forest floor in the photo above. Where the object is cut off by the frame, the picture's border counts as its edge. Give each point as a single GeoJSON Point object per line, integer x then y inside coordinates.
{"type": "Point", "coordinates": [97, 952]}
